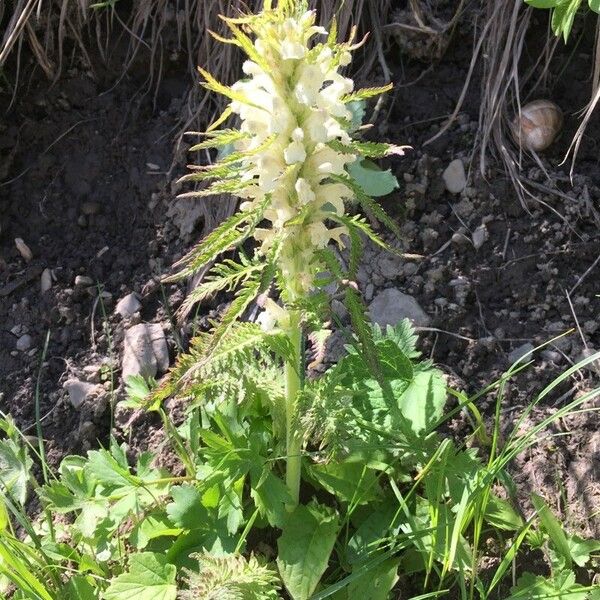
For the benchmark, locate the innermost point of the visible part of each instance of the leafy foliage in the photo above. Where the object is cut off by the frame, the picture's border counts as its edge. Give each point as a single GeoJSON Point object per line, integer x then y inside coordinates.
{"type": "Point", "coordinates": [563, 13]}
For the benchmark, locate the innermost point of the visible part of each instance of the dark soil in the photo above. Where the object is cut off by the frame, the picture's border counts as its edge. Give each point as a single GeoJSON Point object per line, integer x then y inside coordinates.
{"type": "Point", "coordinates": [84, 181]}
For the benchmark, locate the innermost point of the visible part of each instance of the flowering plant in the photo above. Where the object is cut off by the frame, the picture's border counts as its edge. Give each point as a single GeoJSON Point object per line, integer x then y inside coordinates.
{"type": "Point", "coordinates": [289, 168]}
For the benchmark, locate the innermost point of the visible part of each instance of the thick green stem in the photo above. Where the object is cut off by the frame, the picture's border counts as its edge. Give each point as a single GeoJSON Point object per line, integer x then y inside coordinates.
{"type": "Point", "coordinates": [293, 369]}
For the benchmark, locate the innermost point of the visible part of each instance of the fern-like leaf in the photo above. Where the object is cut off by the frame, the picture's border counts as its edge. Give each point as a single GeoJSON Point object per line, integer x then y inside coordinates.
{"type": "Point", "coordinates": [231, 577]}
{"type": "Point", "coordinates": [225, 276]}
{"type": "Point", "coordinates": [366, 93]}
{"type": "Point", "coordinates": [367, 203]}
{"type": "Point", "coordinates": [216, 86]}
{"type": "Point", "coordinates": [367, 149]}
{"type": "Point", "coordinates": [218, 139]}
{"type": "Point", "coordinates": [228, 235]}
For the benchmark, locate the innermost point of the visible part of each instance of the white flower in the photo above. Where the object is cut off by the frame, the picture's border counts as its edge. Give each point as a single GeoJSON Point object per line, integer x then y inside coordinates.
{"type": "Point", "coordinates": [305, 192]}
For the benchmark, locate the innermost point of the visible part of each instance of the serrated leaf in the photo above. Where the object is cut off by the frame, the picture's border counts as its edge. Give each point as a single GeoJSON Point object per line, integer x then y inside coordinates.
{"type": "Point", "coordinates": [422, 402]}
{"type": "Point", "coordinates": [15, 467]}
{"type": "Point", "coordinates": [80, 588]}
{"type": "Point", "coordinates": [187, 510]}
{"type": "Point", "coordinates": [150, 577]}
{"type": "Point", "coordinates": [560, 587]}
{"type": "Point", "coordinates": [305, 546]}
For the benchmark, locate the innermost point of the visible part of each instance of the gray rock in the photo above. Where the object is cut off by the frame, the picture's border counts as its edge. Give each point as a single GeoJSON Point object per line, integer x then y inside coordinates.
{"type": "Point", "coordinates": [455, 177]}
{"type": "Point", "coordinates": [80, 391]}
{"type": "Point", "coordinates": [83, 280]}
{"type": "Point", "coordinates": [159, 346]}
{"type": "Point", "coordinates": [480, 236]}
{"type": "Point", "coordinates": [145, 351]}
{"type": "Point", "coordinates": [128, 306]}
{"type": "Point", "coordinates": [24, 343]}
{"type": "Point", "coordinates": [390, 267]}
{"type": "Point", "coordinates": [339, 309]}
{"type": "Point", "coordinates": [518, 353]}
{"type": "Point", "coordinates": [391, 306]}
{"type": "Point", "coordinates": [46, 280]}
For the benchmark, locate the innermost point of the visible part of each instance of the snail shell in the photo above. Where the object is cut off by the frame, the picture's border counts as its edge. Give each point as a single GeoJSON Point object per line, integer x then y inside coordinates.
{"type": "Point", "coordinates": [538, 124]}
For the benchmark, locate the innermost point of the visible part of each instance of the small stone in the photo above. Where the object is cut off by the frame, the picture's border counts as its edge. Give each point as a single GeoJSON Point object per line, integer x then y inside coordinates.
{"type": "Point", "coordinates": [159, 346]}
{"type": "Point", "coordinates": [46, 280]}
{"type": "Point", "coordinates": [390, 267]}
{"type": "Point", "coordinates": [24, 343]}
{"type": "Point", "coordinates": [90, 208]}
{"type": "Point", "coordinates": [80, 391]}
{"type": "Point", "coordinates": [460, 239]}
{"type": "Point", "coordinates": [83, 281]}
{"type": "Point", "coordinates": [82, 221]}
{"type": "Point", "coordinates": [23, 249]}
{"type": "Point", "coordinates": [455, 177]}
{"type": "Point", "coordinates": [369, 292]}
{"type": "Point", "coordinates": [153, 166]}
{"type": "Point", "coordinates": [145, 351]}
{"type": "Point", "coordinates": [480, 236]}
{"type": "Point", "coordinates": [593, 366]}
{"type": "Point", "coordinates": [518, 353]}
{"type": "Point", "coordinates": [128, 306]}
{"type": "Point", "coordinates": [392, 306]}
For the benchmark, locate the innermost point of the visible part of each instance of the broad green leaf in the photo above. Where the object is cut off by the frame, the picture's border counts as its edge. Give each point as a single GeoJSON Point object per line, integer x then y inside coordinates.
{"type": "Point", "coordinates": [371, 179]}
{"type": "Point", "coordinates": [375, 584]}
{"type": "Point", "coordinates": [422, 403]}
{"type": "Point", "coordinates": [304, 549]}
{"type": "Point", "coordinates": [595, 5]}
{"type": "Point", "coordinates": [271, 496]}
{"type": "Point", "coordinates": [153, 526]}
{"type": "Point", "coordinates": [358, 109]}
{"type": "Point", "coordinates": [370, 533]}
{"type": "Point", "coordinates": [187, 510]}
{"type": "Point", "coordinates": [150, 577]}
{"type": "Point", "coordinates": [581, 549]}
{"type": "Point", "coordinates": [560, 587]}
{"type": "Point", "coordinates": [80, 588]}
{"type": "Point", "coordinates": [543, 3]}
{"type": "Point", "coordinates": [349, 481]}
{"type": "Point", "coordinates": [553, 528]}
{"type": "Point", "coordinates": [15, 467]}
{"type": "Point", "coordinates": [502, 515]}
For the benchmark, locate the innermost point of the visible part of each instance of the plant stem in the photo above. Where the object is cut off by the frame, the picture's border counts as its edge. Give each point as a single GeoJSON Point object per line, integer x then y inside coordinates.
{"type": "Point", "coordinates": [292, 388]}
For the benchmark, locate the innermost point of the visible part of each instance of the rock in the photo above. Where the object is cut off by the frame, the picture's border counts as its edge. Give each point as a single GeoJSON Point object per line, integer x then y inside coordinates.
{"type": "Point", "coordinates": [23, 249]}
{"type": "Point", "coordinates": [518, 353]}
{"type": "Point", "coordinates": [128, 305]}
{"type": "Point", "coordinates": [390, 267]}
{"type": "Point", "coordinates": [90, 208]}
{"type": "Point", "coordinates": [145, 351]}
{"type": "Point", "coordinates": [159, 346]}
{"type": "Point", "coordinates": [83, 281]}
{"type": "Point", "coordinates": [80, 391]}
{"type": "Point", "coordinates": [339, 309]}
{"type": "Point", "coordinates": [455, 177]}
{"type": "Point", "coordinates": [480, 236]}
{"type": "Point", "coordinates": [24, 343]}
{"type": "Point", "coordinates": [46, 280]}
{"type": "Point", "coordinates": [369, 292]}
{"type": "Point", "coordinates": [593, 366]}
{"type": "Point", "coordinates": [392, 306]}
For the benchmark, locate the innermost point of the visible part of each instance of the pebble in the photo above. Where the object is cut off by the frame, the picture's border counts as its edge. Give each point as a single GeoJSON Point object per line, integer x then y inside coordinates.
{"type": "Point", "coordinates": [390, 267]}
{"type": "Point", "coordinates": [83, 280]}
{"type": "Point", "coordinates": [369, 292]}
{"type": "Point", "coordinates": [24, 343]}
{"type": "Point", "coordinates": [46, 280]}
{"type": "Point", "coordinates": [90, 208]}
{"type": "Point", "coordinates": [23, 249]}
{"type": "Point", "coordinates": [82, 221]}
{"type": "Point", "coordinates": [518, 353]}
{"type": "Point", "coordinates": [391, 306]}
{"type": "Point", "coordinates": [593, 366]}
{"type": "Point", "coordinates": [145, 351]}
{"type": "Point", "coordinates": [480, 236]}
{"type": "Point", "coordinates": [455, 177]}
{"type": "Point", "coordinates": [80, 391]}
{"type": "Point", "coordinates": [128, 306]}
